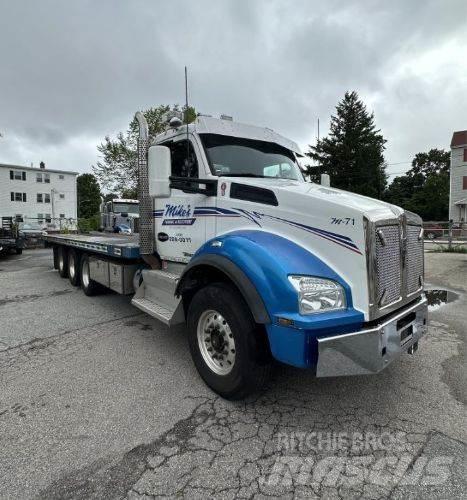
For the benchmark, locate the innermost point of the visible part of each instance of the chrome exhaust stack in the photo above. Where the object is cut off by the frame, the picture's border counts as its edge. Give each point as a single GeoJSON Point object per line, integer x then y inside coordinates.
{"type": "Point", "coordinates": [146, 218]}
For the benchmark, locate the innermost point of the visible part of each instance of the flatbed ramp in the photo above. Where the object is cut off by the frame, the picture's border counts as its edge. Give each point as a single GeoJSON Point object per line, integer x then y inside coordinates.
{"type": "Point", "coordinates": [121, 246]}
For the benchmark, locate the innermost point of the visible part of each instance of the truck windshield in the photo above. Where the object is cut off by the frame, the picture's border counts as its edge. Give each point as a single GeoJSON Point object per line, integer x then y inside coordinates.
{"type": "Point", "coordinates": [129, 208]}
{"type": "Point", "coordinates": [239, 157]}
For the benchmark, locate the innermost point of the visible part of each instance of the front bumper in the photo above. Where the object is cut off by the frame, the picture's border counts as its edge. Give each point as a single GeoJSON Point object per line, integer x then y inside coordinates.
{"type": "Point", "coordinates": [369, 351]}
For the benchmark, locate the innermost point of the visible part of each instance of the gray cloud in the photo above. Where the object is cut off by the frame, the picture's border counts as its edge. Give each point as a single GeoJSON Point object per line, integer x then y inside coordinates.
{"type": "Point", "coordinates": [72, 72]}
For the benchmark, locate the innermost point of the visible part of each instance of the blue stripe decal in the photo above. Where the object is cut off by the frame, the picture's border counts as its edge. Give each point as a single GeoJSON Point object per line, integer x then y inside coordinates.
{"type": "Point", "coordinates": [256, 218]}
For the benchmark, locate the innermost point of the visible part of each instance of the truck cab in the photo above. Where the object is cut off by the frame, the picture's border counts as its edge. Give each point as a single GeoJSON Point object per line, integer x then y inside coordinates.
{"type": "Point", "coordinates": [120, 213]}
{"type": "Point", "coordinates": [330, 280]}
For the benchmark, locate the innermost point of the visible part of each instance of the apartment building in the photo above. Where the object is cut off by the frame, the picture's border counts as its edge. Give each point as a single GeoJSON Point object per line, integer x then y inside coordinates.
{"type": "Point", "coordinates": [41, 195]}
{"type": "Point", "coordinates": [458, 177]}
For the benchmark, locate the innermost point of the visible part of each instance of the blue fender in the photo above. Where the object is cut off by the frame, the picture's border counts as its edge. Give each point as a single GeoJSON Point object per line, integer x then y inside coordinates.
{"type": "Point", "coordinates": [267, 260]}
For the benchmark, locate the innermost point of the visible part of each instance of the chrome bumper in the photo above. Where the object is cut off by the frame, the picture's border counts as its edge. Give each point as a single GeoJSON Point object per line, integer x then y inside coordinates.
{"type": "Point", "coordinates": [369, 351]}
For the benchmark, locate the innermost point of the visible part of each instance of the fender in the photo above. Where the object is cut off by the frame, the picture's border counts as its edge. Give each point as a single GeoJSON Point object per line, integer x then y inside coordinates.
{"type": "Point", "coordinates": [259, 263]}
{"type": "Point", "coordinates": [264, 261]}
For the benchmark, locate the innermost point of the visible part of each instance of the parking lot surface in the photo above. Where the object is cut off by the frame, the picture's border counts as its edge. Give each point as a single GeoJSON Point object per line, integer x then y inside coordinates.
{"type": "Point", "coordinates": [98, 400]}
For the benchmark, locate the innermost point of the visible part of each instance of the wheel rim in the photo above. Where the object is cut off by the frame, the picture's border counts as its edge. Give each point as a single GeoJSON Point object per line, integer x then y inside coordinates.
{"type": "Point", "coordinates": [85, 274]}
{"type": "Point", "coordinates": [71, 267]}
{"type": "Point", "coordinates": [216, 342]}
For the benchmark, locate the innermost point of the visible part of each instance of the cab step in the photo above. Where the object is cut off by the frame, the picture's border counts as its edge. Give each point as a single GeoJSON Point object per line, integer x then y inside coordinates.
{"type": "Point", "coordinates": [156, 297]}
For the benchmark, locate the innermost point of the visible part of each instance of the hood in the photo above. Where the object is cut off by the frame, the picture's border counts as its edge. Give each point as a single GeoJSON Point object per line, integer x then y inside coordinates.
{"type": "Point", "coordinates": [299, 194]}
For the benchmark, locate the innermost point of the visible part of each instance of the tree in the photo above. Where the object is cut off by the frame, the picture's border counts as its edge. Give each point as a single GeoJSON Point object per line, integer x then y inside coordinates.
{"type": "Point", "coordinates": [118, 170]}
{"type": "Point", "coordinates": [424, 189]}
{"type": "Point", "coordinates": [89, 195]}
{"type": "Point", "coordinates": [352, 154]}
{"type": "Point", "coordinates": [129, 194]}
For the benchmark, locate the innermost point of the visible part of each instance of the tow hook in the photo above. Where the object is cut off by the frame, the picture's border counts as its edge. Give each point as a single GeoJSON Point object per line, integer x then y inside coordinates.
{"type": "Point", "coordinates": [413, 348]}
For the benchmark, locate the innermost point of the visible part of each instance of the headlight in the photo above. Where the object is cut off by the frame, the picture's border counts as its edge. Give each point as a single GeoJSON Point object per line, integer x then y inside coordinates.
{"type": "Point", "coordinates": [317, 295]}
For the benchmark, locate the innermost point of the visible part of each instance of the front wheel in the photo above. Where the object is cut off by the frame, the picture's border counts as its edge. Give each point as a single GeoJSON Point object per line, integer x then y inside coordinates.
{"type": "Point", "coordinates": [225, 343]}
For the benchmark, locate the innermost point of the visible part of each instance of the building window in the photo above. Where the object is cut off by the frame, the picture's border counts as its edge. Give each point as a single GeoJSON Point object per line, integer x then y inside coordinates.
{"type": "Point", "coordinates": [38, 177]}
{"type": "Point", "coordinates": [39, 198]}
{"type": "Point", "coordinates": [17, 175]}
{"type": "Point", "coordinates": [62, 196]}
{"type": "Point", "coordinates": [47, 178]}
{"type": "Point", "coordinates": [40, 218]}
{"type": "Point", "coordinates": [62, 216]}
{"type": "Point", "coordinates": [48, 218]}
{"type": "Point", "coordinates": [465, 155]}
{"type": "Point", "coordinates": [46, 198]}
{"type": "Point", "coordinates": [61, 177]}
{"type": "Point", "coordinates": [18, 196]}
{"type": "Point", "coordinates": [464, 182]}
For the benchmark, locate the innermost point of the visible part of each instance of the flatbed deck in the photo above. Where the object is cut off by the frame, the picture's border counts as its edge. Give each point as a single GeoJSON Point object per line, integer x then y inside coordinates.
{"type": "Point", "coordinates": [112, 245]}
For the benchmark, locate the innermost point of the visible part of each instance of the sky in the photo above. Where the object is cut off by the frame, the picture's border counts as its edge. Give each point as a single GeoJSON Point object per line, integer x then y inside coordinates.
{"type": "Point", "coordinates": [73, 72]}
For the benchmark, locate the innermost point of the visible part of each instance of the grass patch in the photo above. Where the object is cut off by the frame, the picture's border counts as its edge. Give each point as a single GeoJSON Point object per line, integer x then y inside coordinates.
{"type": "Point", "coordinates": [453, 249]}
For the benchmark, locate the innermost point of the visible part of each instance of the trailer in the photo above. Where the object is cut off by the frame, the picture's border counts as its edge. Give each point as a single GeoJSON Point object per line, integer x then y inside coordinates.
{"type": "Point", "coordinates": [257, 262]}
{"type": "Point", "coordinates": [10, 239]}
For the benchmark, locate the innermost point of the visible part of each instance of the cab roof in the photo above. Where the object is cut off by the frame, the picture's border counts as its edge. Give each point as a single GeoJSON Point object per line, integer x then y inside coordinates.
{"type": "Point", "coordinates": [210, 125]}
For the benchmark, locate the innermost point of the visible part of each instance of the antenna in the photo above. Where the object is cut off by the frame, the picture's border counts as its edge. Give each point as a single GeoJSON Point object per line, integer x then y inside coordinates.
{"type": "Point", "coordinates": [186, 119]}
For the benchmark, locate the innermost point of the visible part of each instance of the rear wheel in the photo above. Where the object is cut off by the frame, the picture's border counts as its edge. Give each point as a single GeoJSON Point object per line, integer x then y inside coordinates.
{"type": "Point", "coordinates": [225, 342]}
{"type": "Point", "coordinates": [89, 286]}
{"type": "Point", "coordinates": [73, 267]}
{"type": "Point", "coordinates": [62, 262]}
{"type": "Point", "coordinates": [55, 252]}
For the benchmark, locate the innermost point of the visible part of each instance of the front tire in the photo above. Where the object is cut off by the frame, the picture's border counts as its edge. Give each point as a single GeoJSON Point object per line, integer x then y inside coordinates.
{"type": "Point", "coordinates": [225, 342]}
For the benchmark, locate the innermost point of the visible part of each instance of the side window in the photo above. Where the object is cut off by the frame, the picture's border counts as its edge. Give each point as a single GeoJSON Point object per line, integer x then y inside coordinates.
{"type": "Point", "coordinates": [181, 166]}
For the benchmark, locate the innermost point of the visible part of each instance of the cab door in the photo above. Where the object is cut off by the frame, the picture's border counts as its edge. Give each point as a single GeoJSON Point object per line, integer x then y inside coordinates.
{"type": "Point", "coordinates": [181, 221]}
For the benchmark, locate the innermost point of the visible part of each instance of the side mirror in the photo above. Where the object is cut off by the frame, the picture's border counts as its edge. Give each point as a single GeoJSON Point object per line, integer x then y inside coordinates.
{"type": "Point", "coordinates": [159, 171]}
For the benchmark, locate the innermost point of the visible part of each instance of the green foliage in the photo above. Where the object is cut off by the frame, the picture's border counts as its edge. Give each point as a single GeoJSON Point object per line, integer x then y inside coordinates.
{"type": "Point", "coordinates": [117, 170]}
{"type": "Point", "coordinates": [85, 225]}
{"type": "Point", "coordinates": [89, 195]}
{"type": "Point", "coordinates": [424, 189]}
{"type": "Point", "coordinates": [129, 194]}
{"type": "Point", "coordinates": [352, 154]}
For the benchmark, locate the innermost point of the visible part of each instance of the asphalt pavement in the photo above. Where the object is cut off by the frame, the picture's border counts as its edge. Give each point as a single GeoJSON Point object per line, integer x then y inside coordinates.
{"type": "Point", "coordinates": [98, 400]}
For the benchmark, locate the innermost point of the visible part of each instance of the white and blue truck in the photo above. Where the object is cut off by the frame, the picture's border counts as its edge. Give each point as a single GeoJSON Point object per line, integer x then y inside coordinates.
{"type": "Point", "coordinates": [257, 262]}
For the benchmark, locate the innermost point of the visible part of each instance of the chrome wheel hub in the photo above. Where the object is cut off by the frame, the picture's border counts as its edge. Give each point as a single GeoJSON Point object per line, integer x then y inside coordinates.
{"type": "Point", "coordinates": [216, 342]}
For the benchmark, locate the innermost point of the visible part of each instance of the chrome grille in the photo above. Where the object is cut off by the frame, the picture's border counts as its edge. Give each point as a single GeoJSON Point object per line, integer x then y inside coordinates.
{"type": "Point", "coordinates": [414, 259]}
{"type": "Point", "coordinates": [388, 268]}
{"type": "Point", "coordinates": [394, 262]}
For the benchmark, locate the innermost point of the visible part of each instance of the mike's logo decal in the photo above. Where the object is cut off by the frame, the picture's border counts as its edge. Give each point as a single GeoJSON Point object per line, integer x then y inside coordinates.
{"type": "Point", "coordinates": [176, 215]}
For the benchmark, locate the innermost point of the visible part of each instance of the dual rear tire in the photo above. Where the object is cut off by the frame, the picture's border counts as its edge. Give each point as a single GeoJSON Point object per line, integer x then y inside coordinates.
{"type": "Point", "coordinates": [74, 265]}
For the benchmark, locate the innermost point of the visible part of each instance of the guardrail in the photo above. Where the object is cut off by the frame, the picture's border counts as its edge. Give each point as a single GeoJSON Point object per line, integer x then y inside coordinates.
{"type": "Point", "coordinates": [445, 232]}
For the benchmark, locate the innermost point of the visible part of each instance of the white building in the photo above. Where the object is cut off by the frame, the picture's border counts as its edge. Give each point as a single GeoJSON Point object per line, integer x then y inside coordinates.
{"type": "Point", "coordinates": [40, 195]}
{"type": "Point", "coordinates": [458, 175]}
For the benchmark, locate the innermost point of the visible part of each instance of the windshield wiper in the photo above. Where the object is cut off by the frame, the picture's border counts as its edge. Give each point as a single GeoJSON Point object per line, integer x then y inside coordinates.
{"type": "Point", "coordinates": [242, 175]}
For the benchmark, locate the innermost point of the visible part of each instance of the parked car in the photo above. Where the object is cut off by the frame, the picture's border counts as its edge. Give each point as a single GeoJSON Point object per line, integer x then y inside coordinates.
{"type": "Point", "coordinates": [123, 229]}
{"type": "Point", "coordinates": [31, 233]}
{"type": "Point", "coordinates": [433, 231]}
